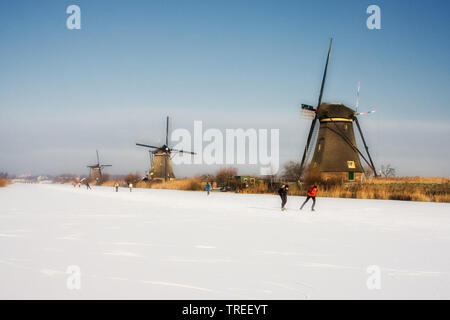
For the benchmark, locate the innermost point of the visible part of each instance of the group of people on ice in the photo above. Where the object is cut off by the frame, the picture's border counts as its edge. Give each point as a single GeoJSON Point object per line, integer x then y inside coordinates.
{"type": "Point", "coordinates": [283, 191]}
{"type": "Point", "coordinates": [311, 194]}
{"type": "Point", "coordinates": [130, 186]}
{"type": "Point", "coordinates": [116, 185]}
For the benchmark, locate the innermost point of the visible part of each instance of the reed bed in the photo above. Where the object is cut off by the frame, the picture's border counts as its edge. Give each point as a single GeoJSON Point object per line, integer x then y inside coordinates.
{"type": "Point", "coordinates": [429, 189]}
{"type": "Point", "coordinates": [4, 182]}
{"type": "Point", "coordinates": [434, 189]}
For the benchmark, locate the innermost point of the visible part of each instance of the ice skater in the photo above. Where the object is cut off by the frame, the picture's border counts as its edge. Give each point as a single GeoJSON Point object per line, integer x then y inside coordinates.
{"type": "Point", "coordinates": [117, 187]}
{"type": "Point", "coordinates": [88, 186]}
{"type": "Point", "coordinates": [130, 186]}
{"type": "Point", "coordinates": [312, 191]}
{"type": "Point", "coordinates": [208, 187]}
{"type": "Point", "coordinates": [283, 194]}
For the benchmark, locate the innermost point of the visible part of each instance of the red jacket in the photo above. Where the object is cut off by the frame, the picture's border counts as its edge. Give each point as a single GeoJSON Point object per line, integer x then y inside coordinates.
{"type": "Point", "coordinates": [312, 191]}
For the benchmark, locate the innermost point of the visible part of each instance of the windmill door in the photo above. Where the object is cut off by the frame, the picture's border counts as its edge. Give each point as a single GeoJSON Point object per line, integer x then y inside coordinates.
{"type": "Point", "coordinates": [351, 175]}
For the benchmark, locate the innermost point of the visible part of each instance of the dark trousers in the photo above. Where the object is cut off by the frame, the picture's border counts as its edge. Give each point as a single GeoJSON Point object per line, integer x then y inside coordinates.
{"type": "Point", "coordinates": [307, 198]}
{"type": "Point", "coordinates": [283, 200]}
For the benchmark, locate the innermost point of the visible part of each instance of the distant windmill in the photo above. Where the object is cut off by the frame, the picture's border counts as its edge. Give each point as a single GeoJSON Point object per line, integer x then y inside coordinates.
{"type": "Point", "coordinates": [336, 154]}
{"type": "Point", "coordinates": [161, 159]}
{"type": "Point", "coordinates": [95, 171]}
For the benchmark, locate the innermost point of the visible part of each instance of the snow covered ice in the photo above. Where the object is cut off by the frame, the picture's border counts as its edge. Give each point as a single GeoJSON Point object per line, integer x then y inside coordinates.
{"type": "Point", "coordinates": [168, 244]}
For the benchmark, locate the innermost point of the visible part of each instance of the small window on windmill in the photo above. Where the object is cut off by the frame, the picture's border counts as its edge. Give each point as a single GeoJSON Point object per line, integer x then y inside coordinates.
{"type": "Point", "coordinates": [351, 164]}
{"type": "Point", "coordinates": [315, 164]}
{"type": "Point", "coordinates": [319, 147]}
{"type": "Point", "coordinates": [345, 127]}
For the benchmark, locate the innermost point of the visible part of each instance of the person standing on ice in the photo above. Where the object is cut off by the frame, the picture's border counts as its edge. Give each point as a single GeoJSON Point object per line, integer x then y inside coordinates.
{"type": "Point", "coordinates": [130, 186]}
{"type": "Point", "coordinates": [208, 187]}
{"type": "Point", "coordinates": [87, 185]}
{"type": "Point", "coordinates": [117, 187]}
{"type": "Point", "coordinates": [312, 191]}
{"type": "Point", "coordinates": [283, 194]}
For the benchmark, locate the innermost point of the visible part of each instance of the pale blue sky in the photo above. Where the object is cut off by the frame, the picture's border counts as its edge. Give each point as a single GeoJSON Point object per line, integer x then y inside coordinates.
{"type": "Point", "coordinates": [65, 93]}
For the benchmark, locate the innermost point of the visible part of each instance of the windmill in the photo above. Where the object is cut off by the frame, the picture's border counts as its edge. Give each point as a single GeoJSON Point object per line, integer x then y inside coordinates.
{"type": "Point", "coordinates": [160, 157]}
{"type": "Point", "coordinates": [336, 154]}
{"type": "Point", "coordinates": [95, 171]}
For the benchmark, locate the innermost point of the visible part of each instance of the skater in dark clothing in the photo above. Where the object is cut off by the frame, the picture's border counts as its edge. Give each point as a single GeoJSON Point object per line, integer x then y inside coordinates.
{"type": "Point", "coordinates": [117, 187]}
{"type": "Point", "coordinates": [208, 187]}
{"type": "Point", "coordinates": [87, 185]}
{"type": "Point", "coordinates": [312, 191]}
{"type": "Point", "coordinates": [283, 194]}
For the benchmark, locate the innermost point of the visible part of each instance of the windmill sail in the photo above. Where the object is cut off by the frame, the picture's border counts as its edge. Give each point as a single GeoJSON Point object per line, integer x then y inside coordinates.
{"type": "Point", "coordinates": [313, 123]}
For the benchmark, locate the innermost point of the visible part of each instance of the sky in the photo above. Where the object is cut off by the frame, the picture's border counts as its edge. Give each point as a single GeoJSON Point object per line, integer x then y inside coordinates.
{"type": "Point", "coordinates": [231, 64]}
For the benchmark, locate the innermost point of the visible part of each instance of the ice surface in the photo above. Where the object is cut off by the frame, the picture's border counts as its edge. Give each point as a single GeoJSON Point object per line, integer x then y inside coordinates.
{"type": "Point", "coordinates": [167, 244]}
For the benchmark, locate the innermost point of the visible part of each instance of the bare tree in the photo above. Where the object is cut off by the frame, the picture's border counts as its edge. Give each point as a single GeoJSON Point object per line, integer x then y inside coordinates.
{"type": "Point", "coordinates": [226, 176]}
{"type": "Point", "coordinates": [133, 178]}
{"type": "Point", "coordinates": [387, 171]}
{"type": "Point", "coordinates": [292, 171]}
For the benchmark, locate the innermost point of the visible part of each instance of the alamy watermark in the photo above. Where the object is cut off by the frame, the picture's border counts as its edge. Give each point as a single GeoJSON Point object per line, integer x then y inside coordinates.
{"type": "Point", "coordinates": [74, 279]}
{"type": "Point", "coordinates": [73, 22]}
{"type": "Point", "coordinates": [237, 146]}
{"type": "Point", "coordinates": [374, 280]}
{"type": "Point", "coordinates": [373, 22]}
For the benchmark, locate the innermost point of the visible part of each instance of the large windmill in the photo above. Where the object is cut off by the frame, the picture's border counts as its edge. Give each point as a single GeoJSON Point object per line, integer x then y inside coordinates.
{"type": "Point", "coordinates": [160, 157]}
{"type": "Point", "coordinates": [95, 171]}
{"type": "Point", "coordinates": [336, 154]}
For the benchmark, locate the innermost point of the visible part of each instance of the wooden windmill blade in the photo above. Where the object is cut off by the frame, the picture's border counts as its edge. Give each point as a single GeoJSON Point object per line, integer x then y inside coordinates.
{"type": "Point", "coordinates": [146, 145]}
{"type": "Point", "coordinates": [167, 151]}
{"type": "Point", "coordinates": [167, 131]}
{"type": "Point", "coordinates": [313, 123]}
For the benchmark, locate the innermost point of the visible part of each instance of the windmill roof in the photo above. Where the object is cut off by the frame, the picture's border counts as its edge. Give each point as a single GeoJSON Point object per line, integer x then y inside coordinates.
{"type": "Point", "coordinates": [337, 110]}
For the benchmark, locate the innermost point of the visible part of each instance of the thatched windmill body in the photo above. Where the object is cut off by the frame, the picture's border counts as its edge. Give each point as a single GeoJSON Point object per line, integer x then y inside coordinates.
{"type": "Point", "coordinates": [336, 154]}
{"type": "Point", "coordinates": [161, 159]}
{"type": "Point", "coordinates": [95, 170]}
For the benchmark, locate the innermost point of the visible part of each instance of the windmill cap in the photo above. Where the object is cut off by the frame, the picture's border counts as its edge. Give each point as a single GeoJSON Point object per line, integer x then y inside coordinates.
{"type": "Point", "coordinates": [335, 110]}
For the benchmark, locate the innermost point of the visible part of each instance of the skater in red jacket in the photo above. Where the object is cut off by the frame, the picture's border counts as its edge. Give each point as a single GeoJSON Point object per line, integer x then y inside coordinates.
{"type": "Point", "coordinates": [312, 191]}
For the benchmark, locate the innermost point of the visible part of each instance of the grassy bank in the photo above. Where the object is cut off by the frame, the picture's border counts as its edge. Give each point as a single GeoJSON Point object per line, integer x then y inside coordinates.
{"type": "Point", "coordinates": [430, 189]}
{"type": "Point", "coordinates": [433, 189]}
{"type": "Point", "coordinates": [4, 182]}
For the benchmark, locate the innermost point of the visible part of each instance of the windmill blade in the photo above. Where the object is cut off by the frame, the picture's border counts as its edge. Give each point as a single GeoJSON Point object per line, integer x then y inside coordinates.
{"type": "Point", "coordinates": [307, 112]}
{"type": "Point", "coordinates": [357, 97]}
{"type": "Point", "coordinates": [147, 146]}
{"type": "Point", "coordinates": [366, 113]}
{"type": "Point", "coordinates": [106, 165]}
{"type": "Point", "coordinates": [324, 75]}
{"type": "Point", "coordinates": [167, 131]}
{"type": "Point", "coordinates": [166, 160]}
{"type": "Point", "coordinates": [313, 123]}
{"type": "Point", "coordinates": [182, 151]}
{"type": "Point", "coordinates": [98, 158]}
{"type": "Point", "coordinates": [308, 141]}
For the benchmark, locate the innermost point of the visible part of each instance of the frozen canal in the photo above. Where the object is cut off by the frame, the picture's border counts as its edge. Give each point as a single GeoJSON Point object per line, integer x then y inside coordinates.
{"type": "Point", "coordinates": [166, 244]}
